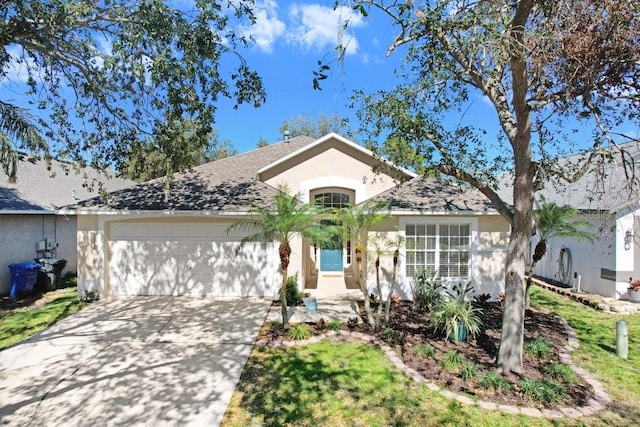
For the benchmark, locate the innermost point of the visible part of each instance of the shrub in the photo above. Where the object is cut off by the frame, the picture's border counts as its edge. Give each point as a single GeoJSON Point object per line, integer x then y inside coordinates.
{"type": "Point", "coordinates": [423, 350]}
{"type": "Point", "coordinates": [425, 289]}
{"type": "Point", "coordinates": [389, 335]}
{"type": "Point", "coordinates": [543, 391]}
{"type": "Point", "coordinates": [292, 292]}
{"type": "Point", "coordinates": [334, 325]}
{"type": "Point", "coordinates": [299, 332]}
{"type": "Point", "coordinates": [539, 348]}
{"type": "Point", "coordinates": [482, 299]}
{"type": "Point", "coordinates": [494, 381]}
{"type": "Point", "coordinates": [452, 360]}
{"type": "Point", "coordinates": [561, 372]}
{"type": "Point", "coordinates": [450, 313]}
{"type": "Point", "coordinates": [352, 323]}
{"type": "Point", "coordinates": [88, 295]}
{"type": "Point", "coordinates": [274, 325]}
{"type": "Point", "coordinates": [461, 292]}
{"type": "Point", "coordinates": [469, 371]}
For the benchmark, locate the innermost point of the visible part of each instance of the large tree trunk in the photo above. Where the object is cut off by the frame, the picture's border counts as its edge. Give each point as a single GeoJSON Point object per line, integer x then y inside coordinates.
{"type": "Point", "coordinates": [512, 336]}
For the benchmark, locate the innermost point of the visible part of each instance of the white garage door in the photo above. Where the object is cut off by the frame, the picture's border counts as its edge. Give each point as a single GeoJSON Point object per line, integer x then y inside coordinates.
{"type": "Point", "coordinates": [188, 259]}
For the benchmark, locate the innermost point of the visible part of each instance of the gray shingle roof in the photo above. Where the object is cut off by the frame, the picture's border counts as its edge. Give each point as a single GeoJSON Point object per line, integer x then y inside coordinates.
{"type": "Point", "coordinates": [225, 185]}
{"type": "Point", "coordinates": [39, 188]}
{"type": "Point", "coordinates": [605, 187]}
{"type": "Point", "coordinates": [423, 194]}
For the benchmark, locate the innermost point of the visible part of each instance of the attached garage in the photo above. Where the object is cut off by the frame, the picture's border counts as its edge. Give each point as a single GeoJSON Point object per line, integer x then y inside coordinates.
{"type": "Point", "coordinates": [187, 258]}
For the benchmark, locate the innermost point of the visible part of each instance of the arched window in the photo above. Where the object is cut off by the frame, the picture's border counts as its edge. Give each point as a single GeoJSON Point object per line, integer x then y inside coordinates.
{"type": "Point", "coordinates": [332, 200]}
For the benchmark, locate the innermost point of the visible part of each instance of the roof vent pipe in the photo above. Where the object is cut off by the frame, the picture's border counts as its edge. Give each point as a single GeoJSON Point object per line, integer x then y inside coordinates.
{"type": "Point", "coordinates": [286, 136]}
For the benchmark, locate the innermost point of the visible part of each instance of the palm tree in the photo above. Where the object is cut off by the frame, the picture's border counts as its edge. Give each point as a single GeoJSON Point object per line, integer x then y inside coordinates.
{"type": "Point", "coordinates": [355, 222]}
{"type": "Point", "coordinates": [382, 246]}
{"type": "Point", "coordinates": [287, 218]}
{"type": "Point", "coordinates": [552, 220]}
{"type": "Point", "coordinates": [16, 125]}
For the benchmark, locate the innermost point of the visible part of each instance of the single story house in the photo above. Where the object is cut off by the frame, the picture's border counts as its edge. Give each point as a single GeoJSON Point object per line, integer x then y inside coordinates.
{"type": "Point", "coordinates": [138, 241]}
{"type": "Point", "coordinates": [28, 211]}
{"type": "Point", "coordinates": [606, 197]}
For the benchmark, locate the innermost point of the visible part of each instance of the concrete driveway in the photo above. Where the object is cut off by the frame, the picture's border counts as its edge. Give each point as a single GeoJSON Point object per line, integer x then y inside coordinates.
{"type": "Point", "coordinates": [132, 361]}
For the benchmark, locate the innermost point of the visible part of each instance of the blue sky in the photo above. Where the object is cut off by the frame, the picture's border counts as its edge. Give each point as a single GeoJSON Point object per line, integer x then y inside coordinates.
{"type": "Point", "coordinates": [290, 39]}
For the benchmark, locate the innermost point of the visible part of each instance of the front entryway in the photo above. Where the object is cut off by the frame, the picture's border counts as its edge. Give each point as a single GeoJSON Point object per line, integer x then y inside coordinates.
{"type": "Point", "coordinates": [332, 255]}
{"type": "Point", "coordinates": [331, 260]}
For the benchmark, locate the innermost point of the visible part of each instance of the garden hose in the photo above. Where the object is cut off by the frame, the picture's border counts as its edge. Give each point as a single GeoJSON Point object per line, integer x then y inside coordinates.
{"type": "Point", "coordinates": [564, 265]}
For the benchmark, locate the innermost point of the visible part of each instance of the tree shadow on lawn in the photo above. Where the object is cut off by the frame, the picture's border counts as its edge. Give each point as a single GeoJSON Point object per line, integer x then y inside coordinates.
{"type": "Point", "coordinates": [317, 386]}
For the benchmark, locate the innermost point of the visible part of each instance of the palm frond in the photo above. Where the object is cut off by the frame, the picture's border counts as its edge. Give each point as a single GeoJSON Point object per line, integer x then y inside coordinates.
{"type": "Point", "coordinates": [358, 219]}
{"type": "Point", "coordinates": [8, 158]}
{"type": "Point", "coordinates": [18, 126]}
{"type": "Point", "coordinates": [554, 220]}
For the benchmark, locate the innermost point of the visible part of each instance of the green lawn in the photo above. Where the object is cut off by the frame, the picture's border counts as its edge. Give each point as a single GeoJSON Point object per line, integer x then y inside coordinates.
{"type": "Point", "coordinates": [597, 354]}
{"type": "Point", "coordinates": [333, 384]}
{"type": "Point", "coordinates": [19, 324]}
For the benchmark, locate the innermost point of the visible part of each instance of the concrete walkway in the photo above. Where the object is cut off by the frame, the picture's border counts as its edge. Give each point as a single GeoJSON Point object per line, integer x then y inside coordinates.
{"type": "Point", "coordinates": [335, 302]}
{"type": "Point", "coordinates": [610, 305]}
{"type": "Point", "coordinates": [132, 361]}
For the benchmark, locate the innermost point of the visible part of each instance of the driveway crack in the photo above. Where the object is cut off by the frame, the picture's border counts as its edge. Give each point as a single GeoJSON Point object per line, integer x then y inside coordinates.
{"type": "Point", "coordinates": [63, 379]}
{"type": "Point", "coordinates": [162, 328]}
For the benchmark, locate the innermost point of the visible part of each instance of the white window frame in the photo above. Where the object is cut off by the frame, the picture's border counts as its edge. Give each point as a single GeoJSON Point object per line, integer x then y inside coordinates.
{"type": "Point", "coordinates": [438, 221]}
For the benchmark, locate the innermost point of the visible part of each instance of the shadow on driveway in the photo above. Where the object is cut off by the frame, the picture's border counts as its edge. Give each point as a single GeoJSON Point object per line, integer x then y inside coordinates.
{"type": "Point", "coordinates": [132, 361]}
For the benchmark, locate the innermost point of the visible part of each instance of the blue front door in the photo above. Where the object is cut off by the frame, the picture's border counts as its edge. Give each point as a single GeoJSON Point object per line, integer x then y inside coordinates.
{"type": "Point", "coordinates": [331, 260]}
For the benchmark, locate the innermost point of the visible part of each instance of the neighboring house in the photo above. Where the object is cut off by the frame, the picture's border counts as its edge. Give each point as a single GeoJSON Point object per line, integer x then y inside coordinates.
{"type": "Point", "coordinates": [28, 211]}
{"type": "Point", "coordinates": [137, 242]}
{"type": "Point", "coordinates": [605, 199]}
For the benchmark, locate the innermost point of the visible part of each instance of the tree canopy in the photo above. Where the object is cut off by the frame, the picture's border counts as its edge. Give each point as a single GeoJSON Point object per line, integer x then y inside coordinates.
{"type": "Point", "coordinates": [175, 147]}
{"type": "Point", "coordinates": [100, 76]}
{"type": "Point", "coordinates": [316, 128]}
{"type": "Point", "coordinates": [559, 77]}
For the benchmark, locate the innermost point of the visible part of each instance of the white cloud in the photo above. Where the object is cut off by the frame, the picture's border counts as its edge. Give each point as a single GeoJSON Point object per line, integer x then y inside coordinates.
{"type": "Point", "coordinates": [16, 68]}
{"type": "Point", "coordinates": [267, 27]}
{"type": "Point", "coordinates": [317, 27]}
{"type": "Point", "coordinates": [103, 47]}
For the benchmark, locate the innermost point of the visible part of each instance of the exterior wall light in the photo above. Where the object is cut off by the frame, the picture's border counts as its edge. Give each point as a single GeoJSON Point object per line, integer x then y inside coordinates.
{"type": "Point", "coordinates": [628, 239]}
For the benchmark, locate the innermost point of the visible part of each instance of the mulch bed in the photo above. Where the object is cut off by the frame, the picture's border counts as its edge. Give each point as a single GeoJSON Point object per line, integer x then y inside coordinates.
{"type": "Point", "coordinates": [411, 327]}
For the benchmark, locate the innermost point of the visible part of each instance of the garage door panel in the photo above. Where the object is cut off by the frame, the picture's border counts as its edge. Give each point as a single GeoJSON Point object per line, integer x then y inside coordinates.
{"type": "Point", "coordinates": [145, 261]}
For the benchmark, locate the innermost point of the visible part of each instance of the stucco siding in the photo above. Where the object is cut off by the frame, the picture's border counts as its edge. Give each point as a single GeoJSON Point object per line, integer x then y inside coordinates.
{"type": "Point", "coordinates": [90, 252]}
{"type": "Point", "coordinates": [587, 259]}
{"type": "Point", "coordinates": [493, 232]}
{"type": "Point", "coordinates": [337, 166]}
{"type": "Point", "coordinates": [18, 237]}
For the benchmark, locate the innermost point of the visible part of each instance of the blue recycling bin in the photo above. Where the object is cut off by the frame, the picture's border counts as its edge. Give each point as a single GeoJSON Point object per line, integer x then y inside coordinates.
{"type": "Point", "coordinates": [23, 277]}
